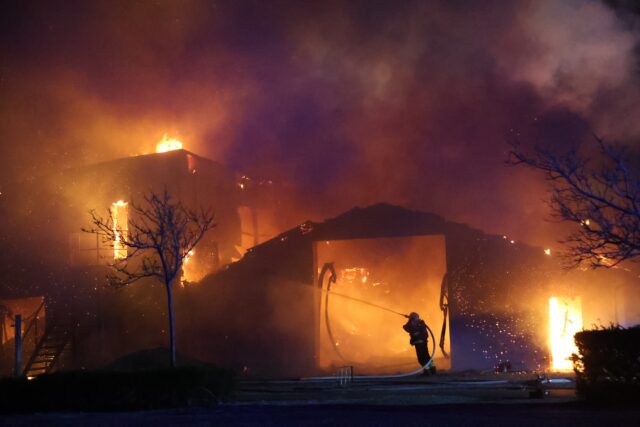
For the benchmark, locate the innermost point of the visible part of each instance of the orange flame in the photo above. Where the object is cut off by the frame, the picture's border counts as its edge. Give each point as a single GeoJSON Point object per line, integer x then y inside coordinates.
{"type": "Point", "coordinates": [119, 213]}
{"type": "Point", "coordinates": [168, 144]}
{"type": "Point", "coordinates": [565, 319]}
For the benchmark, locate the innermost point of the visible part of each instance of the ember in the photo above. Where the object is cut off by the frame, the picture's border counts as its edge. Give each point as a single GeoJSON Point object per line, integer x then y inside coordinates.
{"type": "Point", "coordinates": [355, 274]}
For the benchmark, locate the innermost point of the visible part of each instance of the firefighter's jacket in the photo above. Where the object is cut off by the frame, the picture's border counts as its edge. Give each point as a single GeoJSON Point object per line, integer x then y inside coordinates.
{"type": "Point", "coordinates": [417, 330]}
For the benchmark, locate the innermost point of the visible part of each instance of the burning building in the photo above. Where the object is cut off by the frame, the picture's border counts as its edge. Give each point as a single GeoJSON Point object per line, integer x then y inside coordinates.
{"type": "Point", "coordinates": [51, 257]}
{"type": "Point", "coordinates": [490, 301]}
{"type": "Point", "coordinates": [316, 297]}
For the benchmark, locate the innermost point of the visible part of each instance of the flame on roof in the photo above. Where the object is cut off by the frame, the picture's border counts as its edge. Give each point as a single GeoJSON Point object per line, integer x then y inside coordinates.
{"type": "Point", "coordinates": [168, 144]}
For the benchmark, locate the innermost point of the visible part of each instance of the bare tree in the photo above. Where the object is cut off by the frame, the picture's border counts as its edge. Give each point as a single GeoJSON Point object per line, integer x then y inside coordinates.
{"type": "Point", "coordinates": [600, 194]}
{"type": "Point", "coordinates": [155, 241]}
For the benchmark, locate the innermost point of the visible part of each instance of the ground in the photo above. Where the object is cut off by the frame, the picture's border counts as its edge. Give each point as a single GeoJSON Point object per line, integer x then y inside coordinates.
{"type": "Point", "coordinates": [442, 400]}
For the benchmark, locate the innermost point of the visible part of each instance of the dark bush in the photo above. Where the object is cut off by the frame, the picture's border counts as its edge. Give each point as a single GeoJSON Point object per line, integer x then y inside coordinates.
{"type": "Point", "coordinates": [608, 365]}
{"type": "Point", "coordinates": [110, 391]}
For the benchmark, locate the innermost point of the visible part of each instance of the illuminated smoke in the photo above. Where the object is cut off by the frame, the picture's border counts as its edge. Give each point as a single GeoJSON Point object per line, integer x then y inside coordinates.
{"type": "Point", "coordinates": [407, 102]}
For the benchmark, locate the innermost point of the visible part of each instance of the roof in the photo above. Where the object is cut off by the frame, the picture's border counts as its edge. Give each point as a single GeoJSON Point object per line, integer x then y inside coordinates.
{"type": "Point", "coordinates": [143, 158]}
{"type": "Point", "coordinates": [290, 253]}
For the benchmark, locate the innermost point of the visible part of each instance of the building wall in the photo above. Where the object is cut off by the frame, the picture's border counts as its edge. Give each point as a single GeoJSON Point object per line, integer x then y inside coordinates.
{"type": "Point", "coordinates": [48, 213]}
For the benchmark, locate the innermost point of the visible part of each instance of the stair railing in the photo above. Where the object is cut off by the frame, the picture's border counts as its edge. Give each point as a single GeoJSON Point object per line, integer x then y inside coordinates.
{"type": "Point", "coordinates": [33, 324]}
{"type": "Point", "coordinates": [49, 327]}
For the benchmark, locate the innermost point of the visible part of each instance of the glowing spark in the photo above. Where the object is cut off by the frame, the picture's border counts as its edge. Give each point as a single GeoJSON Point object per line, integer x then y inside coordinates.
{"type": "Point", "coordinates": [547, 251]}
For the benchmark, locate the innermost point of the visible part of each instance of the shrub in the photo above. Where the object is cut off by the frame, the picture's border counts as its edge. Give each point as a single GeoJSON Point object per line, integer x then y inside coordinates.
{"type": "Point", "coordinates": [608, 365]}
{"type": "Point", "coordinates": [110, 391]}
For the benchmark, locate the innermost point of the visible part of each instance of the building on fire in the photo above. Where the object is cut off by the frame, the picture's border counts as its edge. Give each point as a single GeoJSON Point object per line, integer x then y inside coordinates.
{"type": "Point", "coordinates": [308, 300]}
{"type": "Point", "coordinates": [55, 272]}
{"type": "Point", "coordinates": [491, 302]}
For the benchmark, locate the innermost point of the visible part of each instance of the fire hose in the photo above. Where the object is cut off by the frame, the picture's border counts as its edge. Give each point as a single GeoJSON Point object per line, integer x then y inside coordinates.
{"type": "Point", "coordinates": [328, 267]}
{"type": "Point", "coordinates": [444, 307]}
{"type": "Point", "coordinates": [332, 279]}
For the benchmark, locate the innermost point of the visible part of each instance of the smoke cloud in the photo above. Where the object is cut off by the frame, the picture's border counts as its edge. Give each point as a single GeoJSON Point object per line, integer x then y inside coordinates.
{"type": "Point", "coordinates": [350, 102]}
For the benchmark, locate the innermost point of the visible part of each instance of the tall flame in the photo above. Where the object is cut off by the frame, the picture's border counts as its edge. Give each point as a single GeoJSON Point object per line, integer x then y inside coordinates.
{"type": "Point", "coordinates": [565, 319]}
{"type": "Point", "coordinates": [168, 144]}
{"type": "Point", "coordinates": [188, 273]}
{"type": "Point", "coordinates": [120, 220]}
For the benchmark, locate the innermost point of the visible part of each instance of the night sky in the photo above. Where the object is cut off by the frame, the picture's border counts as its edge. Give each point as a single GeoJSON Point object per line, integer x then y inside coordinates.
{"type": "Point", "coordinates": [350, 102]}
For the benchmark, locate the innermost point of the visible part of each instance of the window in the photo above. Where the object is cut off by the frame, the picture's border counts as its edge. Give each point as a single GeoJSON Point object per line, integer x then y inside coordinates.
{"type": "Point", "coordinates": [119, 213]}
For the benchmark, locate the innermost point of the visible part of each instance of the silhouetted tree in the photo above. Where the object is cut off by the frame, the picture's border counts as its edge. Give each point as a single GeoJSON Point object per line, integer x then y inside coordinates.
{"type": "Point", "coordinates": [156, 240]}
{"type": "Point", "coordinates": [600, 194]}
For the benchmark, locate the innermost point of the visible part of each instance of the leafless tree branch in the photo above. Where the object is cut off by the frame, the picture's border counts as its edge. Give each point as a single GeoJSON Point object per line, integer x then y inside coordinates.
{"type": "Point", "coordinates": [158, 237]}
{"type": "Point", "coordinates": [600, 195]}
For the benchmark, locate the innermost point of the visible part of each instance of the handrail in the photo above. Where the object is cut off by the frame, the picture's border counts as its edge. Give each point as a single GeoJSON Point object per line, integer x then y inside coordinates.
{"type": "Point", "coordinates": [39, 344]}
{"type": "Point", "coordinates": [53, 323]}
{"type": "Point", "coordinates": [34, 319]}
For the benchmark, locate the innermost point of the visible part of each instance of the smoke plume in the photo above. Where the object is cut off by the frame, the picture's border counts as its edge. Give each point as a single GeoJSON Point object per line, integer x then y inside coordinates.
{"type": "Point", "coordinates": [349, 102]}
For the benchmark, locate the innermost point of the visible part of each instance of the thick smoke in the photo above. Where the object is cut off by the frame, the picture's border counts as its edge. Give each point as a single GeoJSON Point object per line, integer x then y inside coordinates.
{"type": "Point", "coordinates": [350, 102]}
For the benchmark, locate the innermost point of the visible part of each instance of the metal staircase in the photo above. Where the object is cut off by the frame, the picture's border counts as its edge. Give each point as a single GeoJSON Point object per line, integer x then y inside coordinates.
{"type": "Point", "coordinates": [50, 347]}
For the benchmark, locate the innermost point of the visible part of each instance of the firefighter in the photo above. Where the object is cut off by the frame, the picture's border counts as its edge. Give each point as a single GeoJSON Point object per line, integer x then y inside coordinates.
{"type": "Point", "coordinates": [417, 330]}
